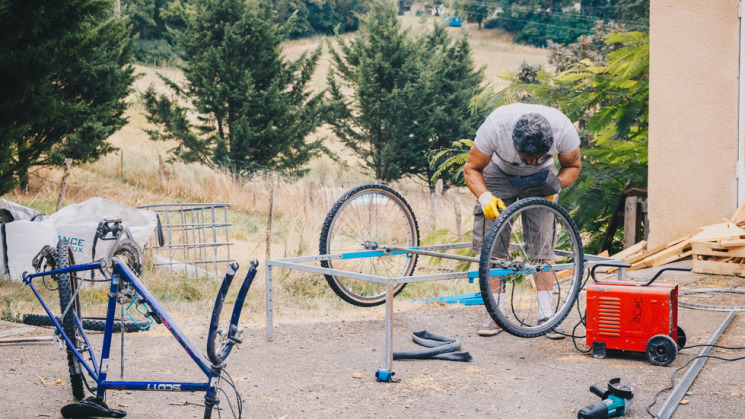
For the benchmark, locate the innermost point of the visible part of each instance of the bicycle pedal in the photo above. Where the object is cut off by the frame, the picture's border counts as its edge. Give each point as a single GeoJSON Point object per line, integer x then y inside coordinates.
{"type": "Point", "coordinates": [91, 407]}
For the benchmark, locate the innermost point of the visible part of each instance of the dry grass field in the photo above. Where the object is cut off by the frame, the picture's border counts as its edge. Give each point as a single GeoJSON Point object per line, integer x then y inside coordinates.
{"type": "Point", "coordinates": [133, 176]}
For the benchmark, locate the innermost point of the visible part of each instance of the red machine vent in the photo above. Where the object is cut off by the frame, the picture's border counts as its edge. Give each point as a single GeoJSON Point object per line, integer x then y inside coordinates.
{"type": "Point", "coordinates": [609, 316]}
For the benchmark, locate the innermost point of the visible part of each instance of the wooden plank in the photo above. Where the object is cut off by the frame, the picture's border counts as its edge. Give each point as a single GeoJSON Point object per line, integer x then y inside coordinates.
{"type": "Point", "coordinates": [662, 259]}
{"type": "Point", "coordinates": [721, 231]}
{"type": "Point", "coordinates": [717, 268]}
{"type": "Point", "coordinates": [739, 216]}
{"type": "Point", "coordinates": [631, 250]}
{"type": "Point", "coordinates": [732, 243]}
{"type": "Point", "coordinates": [680, 247]}
{"type": "Point", "coordinates": [658, 249]}
{"type": "Point", "coordinates": [716, 249]}
{"type": "Point", "coordinates": [626, 253]}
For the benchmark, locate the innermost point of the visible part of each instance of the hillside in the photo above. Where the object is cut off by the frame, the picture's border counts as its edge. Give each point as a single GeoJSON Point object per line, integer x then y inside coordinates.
{"type": "Point", "coordinates": [139, 174]}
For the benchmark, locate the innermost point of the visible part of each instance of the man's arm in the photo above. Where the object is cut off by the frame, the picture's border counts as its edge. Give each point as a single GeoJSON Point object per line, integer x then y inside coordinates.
{"type": "Point", "coordinates": [473, 171]}
{"type": "Point", "coordinates": [570, 166]}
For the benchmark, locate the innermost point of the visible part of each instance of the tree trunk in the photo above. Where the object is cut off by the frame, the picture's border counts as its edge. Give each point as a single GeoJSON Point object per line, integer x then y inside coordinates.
{"type": "Point", "coordinates": [23, 185]}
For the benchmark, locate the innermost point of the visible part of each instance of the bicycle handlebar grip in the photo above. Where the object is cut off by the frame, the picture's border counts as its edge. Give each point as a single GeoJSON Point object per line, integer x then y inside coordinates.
{"type": "Point", "coordinates": [215, 319]}
{"type": "Point", "coordinates": [671, 268]}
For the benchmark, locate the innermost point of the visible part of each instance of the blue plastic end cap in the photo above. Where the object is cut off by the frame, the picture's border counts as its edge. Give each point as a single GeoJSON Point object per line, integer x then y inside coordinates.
{"type": "Point", "coordinates": [384, 375]}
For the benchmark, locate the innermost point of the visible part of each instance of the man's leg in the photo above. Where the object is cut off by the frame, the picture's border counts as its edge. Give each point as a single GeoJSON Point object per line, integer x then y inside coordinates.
{"type": "Point", "coordinates": [540, 240]}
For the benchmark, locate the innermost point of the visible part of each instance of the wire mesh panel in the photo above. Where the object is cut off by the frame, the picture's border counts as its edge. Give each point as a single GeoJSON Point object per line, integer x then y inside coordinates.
{"type": "Point", "coordinates": [196, 237]}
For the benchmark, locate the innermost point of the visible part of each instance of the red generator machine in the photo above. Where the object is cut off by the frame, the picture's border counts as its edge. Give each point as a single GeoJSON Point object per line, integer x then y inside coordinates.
{"type": "Point", "coordinates": [634, 317]}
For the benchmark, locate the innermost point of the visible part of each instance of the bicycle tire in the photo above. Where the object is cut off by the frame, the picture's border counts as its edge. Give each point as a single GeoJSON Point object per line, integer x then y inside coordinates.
{"type": "Point", "coordinates": [561, 259]}
{"type": "Point", "coordinates": [366, 218]}
{"type": "Point", "coordinates": [89, 323]}
{"type": "Point", "coordinates": [67, 285]}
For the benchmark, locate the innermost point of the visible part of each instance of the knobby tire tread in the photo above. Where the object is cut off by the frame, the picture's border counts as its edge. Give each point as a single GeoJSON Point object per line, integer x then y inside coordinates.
{"type": "Point", "coordinates": [484, 264]}
{"type": "Point", "coordinates": [332, 281]}
{"type": "Point", "coordinates": [69, 326]}
{"type": "Point", "coordinates": [88, 324]}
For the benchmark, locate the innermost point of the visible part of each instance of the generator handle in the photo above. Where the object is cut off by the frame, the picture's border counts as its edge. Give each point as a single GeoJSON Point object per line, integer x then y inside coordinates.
{"type": "Point", "coordinates": [671, 268]}
{"type": "Point", "coordinates": [611, 264]}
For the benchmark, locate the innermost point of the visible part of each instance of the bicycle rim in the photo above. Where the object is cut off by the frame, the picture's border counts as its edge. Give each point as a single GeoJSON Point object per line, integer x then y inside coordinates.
{"type": "Point", "coordinates": [367, 218]}
{"type": "Point", "coordinates": [68, 284]}
{"type": "Point", "coordinates": [538, 277]}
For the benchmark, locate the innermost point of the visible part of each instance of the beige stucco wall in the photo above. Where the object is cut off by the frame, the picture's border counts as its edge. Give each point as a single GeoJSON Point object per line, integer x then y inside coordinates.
{"type": "Point", "coordinates": [694, 64]}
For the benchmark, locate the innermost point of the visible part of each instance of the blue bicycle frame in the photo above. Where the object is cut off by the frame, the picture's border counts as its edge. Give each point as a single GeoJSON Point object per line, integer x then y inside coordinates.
{"type": "Point", "coordinates": [211, 365]}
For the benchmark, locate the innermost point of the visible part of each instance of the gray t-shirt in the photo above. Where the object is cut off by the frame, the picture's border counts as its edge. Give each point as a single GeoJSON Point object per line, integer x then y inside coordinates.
{"type": "Point", "coordinates": [494, 137]}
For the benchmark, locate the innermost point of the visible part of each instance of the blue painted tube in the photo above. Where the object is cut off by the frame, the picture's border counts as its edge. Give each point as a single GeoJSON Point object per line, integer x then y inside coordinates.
{"type": "Point", "coordinates": [153, 386]}
{"type": "Point", "coordinates": [215, 320]}
{"type": "Point", "coordinates": [370, 253]}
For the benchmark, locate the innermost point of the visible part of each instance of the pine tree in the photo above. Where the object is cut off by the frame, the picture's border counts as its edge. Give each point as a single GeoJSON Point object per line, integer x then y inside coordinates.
{"type": "Point", "coordinates": [454, 83]}
{"type": "Point", "coordinates": [252, 106]}
{"type": "Point", "coordinates": [62, 86]}
{"type": "Point", "coordinates": [381, 67]}
{"type": "Point", "coordinates": [410, 95]}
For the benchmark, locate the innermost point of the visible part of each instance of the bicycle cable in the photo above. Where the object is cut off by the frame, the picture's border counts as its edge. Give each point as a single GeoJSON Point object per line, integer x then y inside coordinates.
{"type": "Point", "coordinates": [239, 402]}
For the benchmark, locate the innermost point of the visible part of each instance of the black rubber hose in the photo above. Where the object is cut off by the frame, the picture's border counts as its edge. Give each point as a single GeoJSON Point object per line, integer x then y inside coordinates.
{"type": "Point", "coordinates": [440, 347]}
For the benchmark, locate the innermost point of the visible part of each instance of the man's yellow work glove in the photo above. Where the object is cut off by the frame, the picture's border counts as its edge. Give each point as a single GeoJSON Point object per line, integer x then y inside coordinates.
{"type": "Point", "coordinates": [491, 205]}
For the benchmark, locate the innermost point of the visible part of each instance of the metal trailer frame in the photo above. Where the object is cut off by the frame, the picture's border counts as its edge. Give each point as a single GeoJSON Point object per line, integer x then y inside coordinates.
{"type": "Point", "coordinates": [298, 263]}
{"type": "Point", "coordinates": [194, 233]}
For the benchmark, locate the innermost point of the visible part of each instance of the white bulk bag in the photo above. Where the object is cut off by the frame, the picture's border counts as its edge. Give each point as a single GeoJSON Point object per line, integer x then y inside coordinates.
{"type": "Point", "coordinates": [21, 241]}
{"type": "Point", "coordinates": [77, 224]}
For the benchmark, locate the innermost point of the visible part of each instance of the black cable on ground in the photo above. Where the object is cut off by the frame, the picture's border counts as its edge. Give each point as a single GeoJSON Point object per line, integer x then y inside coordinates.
{"type": "Point", "coordinates": [672, 379]}
{"type": "Point", "coordinates": [439, 347]}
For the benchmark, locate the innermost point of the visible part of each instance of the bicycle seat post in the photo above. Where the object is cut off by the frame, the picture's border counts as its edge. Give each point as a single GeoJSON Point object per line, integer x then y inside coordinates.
{"type": "Point", "coordinates": [209, 404]}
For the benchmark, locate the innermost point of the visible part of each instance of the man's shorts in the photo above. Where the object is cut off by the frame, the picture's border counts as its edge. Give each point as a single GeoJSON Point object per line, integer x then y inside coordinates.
{"type": "Point", "coordinates": [538, 225]}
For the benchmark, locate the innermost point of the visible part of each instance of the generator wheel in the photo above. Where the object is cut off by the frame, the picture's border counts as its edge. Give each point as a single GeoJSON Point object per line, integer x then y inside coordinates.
{"type": "Point", "coordinates": [681, 338]}
{"type": "Point", "coordinates": [661, 350]}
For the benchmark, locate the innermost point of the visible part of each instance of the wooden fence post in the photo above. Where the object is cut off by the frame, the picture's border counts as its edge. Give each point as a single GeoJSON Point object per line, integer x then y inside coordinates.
{"type": "Point", "coordinates": [63, 183]}
{"type": "Point", "coordinates": [269, 220]}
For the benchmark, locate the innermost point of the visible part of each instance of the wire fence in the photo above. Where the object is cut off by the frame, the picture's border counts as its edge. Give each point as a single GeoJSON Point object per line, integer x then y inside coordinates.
{"type": "Point", "coordinates": [196, 237]}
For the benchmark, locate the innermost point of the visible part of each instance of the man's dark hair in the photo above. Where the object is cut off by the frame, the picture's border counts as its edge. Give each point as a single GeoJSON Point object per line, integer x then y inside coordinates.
{"type": "Point", "coordinates": [532, 134]}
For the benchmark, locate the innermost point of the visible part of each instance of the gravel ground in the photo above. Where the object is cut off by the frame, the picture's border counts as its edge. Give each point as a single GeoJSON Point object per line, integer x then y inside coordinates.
{"type": "Point", "coordinates": [325, 369]}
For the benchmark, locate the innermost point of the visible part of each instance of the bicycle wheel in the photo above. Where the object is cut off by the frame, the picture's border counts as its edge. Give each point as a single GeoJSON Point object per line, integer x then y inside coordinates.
{"type": "Point", "coordinates": [67, 285]}
{"type": "Point", "coordinates": [535, 249]}
{"type": "Point", "coordinates": [366, 218]}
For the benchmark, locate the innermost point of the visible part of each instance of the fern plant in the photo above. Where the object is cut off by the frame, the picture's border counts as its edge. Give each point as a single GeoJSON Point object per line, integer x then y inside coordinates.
{"type": "Point", "coordinates": [610, 105]}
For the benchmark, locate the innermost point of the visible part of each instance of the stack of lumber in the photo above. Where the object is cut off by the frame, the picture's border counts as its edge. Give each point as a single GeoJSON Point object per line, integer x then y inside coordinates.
{"type": "Point", "coordinates": [716, 249]}
{"type": "Point", "coordinates": [639, 257]}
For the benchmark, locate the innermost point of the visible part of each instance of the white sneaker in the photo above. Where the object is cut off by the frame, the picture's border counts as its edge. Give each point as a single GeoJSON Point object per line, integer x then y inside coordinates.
{"type": "Point", "coordinates": [557, 332]}
{"type": "Point", "coordinates": [489, 328]}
